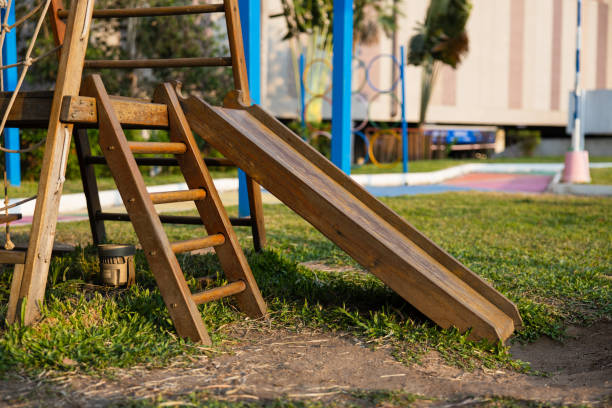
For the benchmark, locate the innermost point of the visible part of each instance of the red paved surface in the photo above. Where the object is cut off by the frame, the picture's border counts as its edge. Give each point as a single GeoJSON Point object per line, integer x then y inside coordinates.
{"type": "Point", "coordinates": [528, 183]}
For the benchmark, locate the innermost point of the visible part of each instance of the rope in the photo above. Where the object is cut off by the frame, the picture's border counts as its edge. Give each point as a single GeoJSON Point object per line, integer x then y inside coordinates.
{"type": "Point", "coordinates": [26, 63]}
{"type": "Point", "coordinates": [18, 203]}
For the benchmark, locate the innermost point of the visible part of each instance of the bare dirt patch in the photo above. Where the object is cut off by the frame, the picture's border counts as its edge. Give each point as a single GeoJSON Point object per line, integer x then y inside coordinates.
{"type": "Point", "coordinates": [324, 366]}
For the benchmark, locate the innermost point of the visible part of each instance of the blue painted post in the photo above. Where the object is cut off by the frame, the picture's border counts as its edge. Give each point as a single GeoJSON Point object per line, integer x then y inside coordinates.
{"type": "Point", "coordinates": [302, 91]}
{"type": "Point", "coordinates": [250, 11]}
{"type": "Point", "coordinates": [11, 135]}
{"type": "Point", "coordinates": [404, 124]}
{"type": "Point", "coordinates": [341, 85]}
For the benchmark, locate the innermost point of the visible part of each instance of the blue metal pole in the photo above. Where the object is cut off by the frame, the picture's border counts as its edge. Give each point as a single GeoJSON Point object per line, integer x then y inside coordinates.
{"type": "Point", "coordinates": [341, 85]}
{"type": "Point", "coordinates": [11, 135]}
{"type": "Point", "coordinates": [250, 11]}
{"type": "Point", "coordinates": [302, 91]}
{"type": "Point", "coordinates": [404, 124]}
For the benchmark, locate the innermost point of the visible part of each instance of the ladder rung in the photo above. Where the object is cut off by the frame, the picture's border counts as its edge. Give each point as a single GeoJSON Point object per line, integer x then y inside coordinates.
{"type": "Point", "coordinates": [218, 293]}
{"type": "Point", "coordinates": [163, 161]}
{"type": "Point", "coordinates": [152, 11]}
{"type": "Point", "coordinates": [172, 219]}
{"type": "Point", "coordinates": [160, 63]}
{"type": "Point", "coordinates": [198, 243]}
{"type": "Point", "coordinates": [178, 196]}
{"type": "Point", "coordinates": [157, 147]}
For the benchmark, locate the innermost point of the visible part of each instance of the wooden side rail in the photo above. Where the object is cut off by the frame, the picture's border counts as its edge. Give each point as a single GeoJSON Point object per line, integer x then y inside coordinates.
{"type": "Point", "coordinates": [152, 11]}
{"type": "Point", "coordinates": [160, 63]}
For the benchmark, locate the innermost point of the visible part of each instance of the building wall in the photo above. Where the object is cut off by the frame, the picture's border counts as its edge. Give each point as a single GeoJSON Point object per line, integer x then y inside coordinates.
{"type": "Point", "coordinates": [519, 70]}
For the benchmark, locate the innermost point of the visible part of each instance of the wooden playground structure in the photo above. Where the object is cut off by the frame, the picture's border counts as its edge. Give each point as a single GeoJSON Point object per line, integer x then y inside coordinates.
{"type": "Point", "coordinates": [270, 154]}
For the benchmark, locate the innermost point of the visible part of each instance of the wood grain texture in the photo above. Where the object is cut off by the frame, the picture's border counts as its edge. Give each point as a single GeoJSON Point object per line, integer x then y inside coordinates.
{"type": "Point", "coordinates": [211, 210]}
{"type": "Point", "coordinates": [51, 179]}
{"type": "Point", "coordinates": [131, 112]}
{"type": "Point", "coordinates": [90, 186]}
{"type": "Point", "coordinates": [230, 289]}
{"type": "Point", "coordinates": [148, 227]}
{"type": "Point", "coordinates": [153, 11]}
{"type": "Point", "coordinates": [343, 211]}
{"type": "Point", "coordinates": [234, 33]}
{"type": "Point", "coordinates": [198, 243]}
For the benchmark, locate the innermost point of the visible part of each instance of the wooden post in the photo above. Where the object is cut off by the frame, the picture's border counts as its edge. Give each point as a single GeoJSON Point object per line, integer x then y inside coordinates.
{"type": "Point", "coordinates": [57, 148]}
{"type": "Point", "coordinates": [249, 192]}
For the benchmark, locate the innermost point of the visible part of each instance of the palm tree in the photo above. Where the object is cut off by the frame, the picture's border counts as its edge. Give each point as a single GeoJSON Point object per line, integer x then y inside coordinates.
{"type": "Point", "coordinates": [441, 39]}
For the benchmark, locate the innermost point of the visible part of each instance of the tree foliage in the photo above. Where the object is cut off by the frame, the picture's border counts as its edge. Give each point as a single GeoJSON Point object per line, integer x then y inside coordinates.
{"type": "Point", "coordinates": [369, 16]}
{"type": "Point", "coordinates": [441, 38]}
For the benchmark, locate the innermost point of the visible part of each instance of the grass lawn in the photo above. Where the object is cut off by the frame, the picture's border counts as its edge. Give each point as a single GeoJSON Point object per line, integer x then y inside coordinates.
{"type": "Point", "coordinates": [30, 188]}
{"type": "Point", "coordinates": [551, 255]}
{"type": "Point", "coordinates": [601, 176]}
{"type": "Point", "coordinates": [419, 166]}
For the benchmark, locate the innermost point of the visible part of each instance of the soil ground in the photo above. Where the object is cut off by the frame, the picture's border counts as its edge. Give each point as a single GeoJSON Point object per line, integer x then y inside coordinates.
{"type": "Point", "coordinates": [266, 364]}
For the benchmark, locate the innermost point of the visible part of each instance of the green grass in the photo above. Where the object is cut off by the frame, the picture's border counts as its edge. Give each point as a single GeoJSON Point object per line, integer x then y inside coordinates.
{"type": "Point", "coordinates": [419, 166]}
{"type": "Point", "coordinates": [601, 176]}
{"type": "Point", "coordinates": [548, 254]}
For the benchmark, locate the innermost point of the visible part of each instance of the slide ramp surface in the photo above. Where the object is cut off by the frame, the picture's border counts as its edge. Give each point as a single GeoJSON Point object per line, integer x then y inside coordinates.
{"type": "Point", "coordinates": [375, 236]}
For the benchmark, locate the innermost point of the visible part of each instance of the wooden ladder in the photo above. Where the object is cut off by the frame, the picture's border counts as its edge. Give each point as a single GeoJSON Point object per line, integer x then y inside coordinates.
{"type": "Point", "coordinates": [71, 31]}
{"type": "Point", "coordinates": [87, 162]}
{"type": "Point", "coordinates": [160, 253]}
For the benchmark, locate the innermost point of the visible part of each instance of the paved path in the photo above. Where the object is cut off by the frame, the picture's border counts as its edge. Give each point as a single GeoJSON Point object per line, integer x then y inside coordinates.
{"type": "Point", "coordinates": [499, 182]}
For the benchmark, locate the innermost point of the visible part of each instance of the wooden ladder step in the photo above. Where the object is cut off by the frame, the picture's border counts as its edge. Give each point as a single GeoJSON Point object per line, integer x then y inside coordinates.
{"type": "Point", "coordinates": [152, 11]}
{"type": "Point", "coordinates": [217, 293]}
{"type": "Point", "coordinates": [160, 63]}
{"type": "Point", "coordinates": [198, 243]}
{"type": "Point", "coordinates": [157, 147]}
{"type": "Point", "coordinates": [178, 196]}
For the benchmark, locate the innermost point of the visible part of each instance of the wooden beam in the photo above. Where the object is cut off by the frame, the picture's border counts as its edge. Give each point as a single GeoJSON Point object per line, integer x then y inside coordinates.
{"type": "Point", "coordinates": [51, 182]}
{"type": "Point", "coordinates": [131, 112]}
{"type": "Point", "coordinates": [12, 257]}
{"type": "Point", "coordinates": [33, 109]}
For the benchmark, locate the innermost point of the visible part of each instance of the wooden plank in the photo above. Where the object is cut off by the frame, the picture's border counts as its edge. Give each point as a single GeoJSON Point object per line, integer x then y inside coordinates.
{"type": "Point", "coordinates": [90, 186]}
{"type": "Point", "coordinates": [349, 221]}
{"type": "Point", "coordinates": [12, 257]}
{"type": "Point", "coordinates": [33, 110]}
{"type": "Point", "coordinates": [404, 227]}
{"type": "Point", "coordinates": [11, 313]}
{"type": "Point", "coordinates": [258, 226]}
{"type": "Point", "coordinates": [153, 11]}
{"type": "Point", "coordinates": [51, 181]}
{"type": "Point", "coordinates": [211, 210]}
{"type": "Point", "coordinates": [148, 227]}
{"type": "Point", "coordinates": [160, 63]}
{"type": "Point", "coordinates": [58, 26]}
{"type": "Point", "coordinates": [131, 112]}
{"type": "Point", "coordinates": [234, 33]}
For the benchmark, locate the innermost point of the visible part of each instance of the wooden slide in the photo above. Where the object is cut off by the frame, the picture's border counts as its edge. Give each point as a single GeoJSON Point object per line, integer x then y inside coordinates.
{"type": "Point", "coordinates": [381, 241]}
